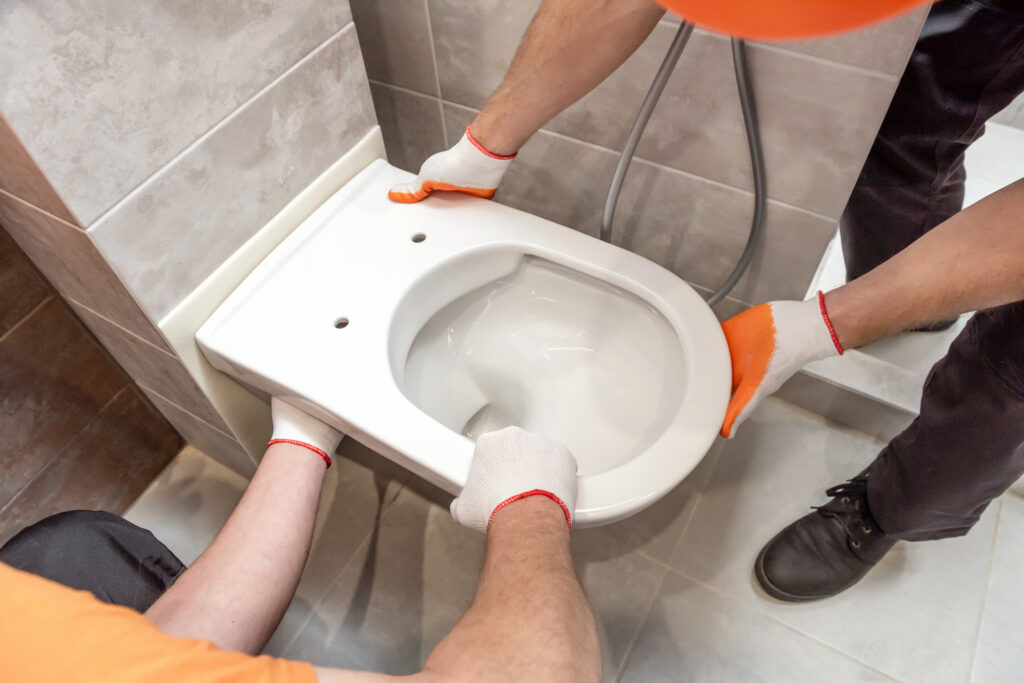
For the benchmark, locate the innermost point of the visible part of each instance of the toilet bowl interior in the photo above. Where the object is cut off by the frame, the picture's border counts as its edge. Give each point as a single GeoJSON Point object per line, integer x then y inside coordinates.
{"type": "Point", "coordinates": [550, 349]}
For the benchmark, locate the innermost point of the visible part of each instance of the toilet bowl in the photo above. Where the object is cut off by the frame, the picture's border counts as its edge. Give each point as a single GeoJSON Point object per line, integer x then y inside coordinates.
{"type": "Point", "coordinates": [415, 328]}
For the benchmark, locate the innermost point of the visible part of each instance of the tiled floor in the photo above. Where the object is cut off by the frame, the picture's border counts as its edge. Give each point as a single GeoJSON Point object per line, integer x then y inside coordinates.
{"type": "Point", "coordinates": [672, 588]}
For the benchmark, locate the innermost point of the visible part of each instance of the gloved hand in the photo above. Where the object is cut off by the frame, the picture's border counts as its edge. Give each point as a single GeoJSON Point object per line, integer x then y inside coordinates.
{"type": "Point", "coordinates": [768, 344]}
{"type": "Point", "coordinates": [293, 426]}
{"type": "Point", "coordinates": [512, 464]}
{"type": "Point", "coordinates": [467, 167]}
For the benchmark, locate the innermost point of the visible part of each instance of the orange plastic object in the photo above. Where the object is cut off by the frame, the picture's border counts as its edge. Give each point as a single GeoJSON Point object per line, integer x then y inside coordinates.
{"type": "Point", "coordinates": [787, 19]}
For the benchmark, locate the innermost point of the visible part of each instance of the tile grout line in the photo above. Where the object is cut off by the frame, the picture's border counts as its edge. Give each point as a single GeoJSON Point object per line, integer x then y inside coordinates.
{"type": "Point", "coordinates": [774, 619]}
{"type": "Point", "coordinates": [125, 330]}
{"type": "Point", "coordinates": [670, 169]}
{"type": "Point", "coordinates": [190, 414]}
{"type": "Point", "coordinates": [988, 586]}
{"type": "Point", "coordinates": [437, 73]}
{"type": "Point", "coordinates": [216, 127]}
{"type": "Point", "coordinates": [640, 627]}
{"type": "Point", "coordinates": [60, 451]}
{"type": "Point", "coordinates": [25, 317]}
{"type": "Point", "coordinates": [42, 211]}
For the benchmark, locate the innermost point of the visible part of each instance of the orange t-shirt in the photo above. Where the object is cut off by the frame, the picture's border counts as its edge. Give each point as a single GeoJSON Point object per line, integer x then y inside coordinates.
{"type": "Point", "coordinates": [49, 632]}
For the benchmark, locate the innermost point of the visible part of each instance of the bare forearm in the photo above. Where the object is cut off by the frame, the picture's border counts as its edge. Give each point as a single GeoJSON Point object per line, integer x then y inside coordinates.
{"type": "Point", "coordinates": [236, 592]}
{"type": "Point", "coordinates": [530, 619]}
{"type": "Point", "coordinates": [568, 49]}
{"type": "Point", "coordinates": [973, 261]}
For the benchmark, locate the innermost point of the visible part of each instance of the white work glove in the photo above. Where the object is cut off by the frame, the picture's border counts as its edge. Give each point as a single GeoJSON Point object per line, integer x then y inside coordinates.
{"type": "Point", "coordinates": [467, 167]}
{"type": "Point", "coordinates": [512, 464]}
{"type": "Point", "coordinates": [293, 426]}
{"type": "Point", "coordinates": [768, 344]}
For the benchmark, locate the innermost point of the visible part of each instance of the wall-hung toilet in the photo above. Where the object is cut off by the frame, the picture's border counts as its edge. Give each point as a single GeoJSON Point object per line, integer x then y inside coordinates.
{"type": "Point", "coordinates": [414, 328]}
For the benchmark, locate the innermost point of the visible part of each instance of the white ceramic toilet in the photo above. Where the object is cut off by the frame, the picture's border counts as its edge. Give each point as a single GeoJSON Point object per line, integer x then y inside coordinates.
{"type": "Point", "coordinates": [414, 328]}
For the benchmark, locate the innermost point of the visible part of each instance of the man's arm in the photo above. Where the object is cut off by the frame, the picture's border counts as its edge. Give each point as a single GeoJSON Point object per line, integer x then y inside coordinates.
{"type": "Point", "coordinates": [970, 262]}
{"type": "Point", "coordinates": [973, 261]}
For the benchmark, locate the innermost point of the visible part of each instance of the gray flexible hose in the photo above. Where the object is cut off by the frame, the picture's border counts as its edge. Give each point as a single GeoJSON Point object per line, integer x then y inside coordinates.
{"type": "Point", "coordinates": [753, 142]}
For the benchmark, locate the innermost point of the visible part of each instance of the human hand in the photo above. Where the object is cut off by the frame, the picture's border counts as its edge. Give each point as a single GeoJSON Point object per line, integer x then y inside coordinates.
{"type": "Point", "coordinates": [293, 426]}
{"type": "Point", "coordinates": [768, 344]}
{"type": "Point", "coordinates": [512, 464]}
{"type": "Point", "coordinates": [467, 167]}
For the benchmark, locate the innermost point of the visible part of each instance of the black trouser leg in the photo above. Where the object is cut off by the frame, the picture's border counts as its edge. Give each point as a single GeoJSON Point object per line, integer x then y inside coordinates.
{"type": "Point", "coordinates": [967, 446]}
{"type": "Point", "coordinates": [112, 558]}
{"type": "Point", "coordinates": [967, 65]}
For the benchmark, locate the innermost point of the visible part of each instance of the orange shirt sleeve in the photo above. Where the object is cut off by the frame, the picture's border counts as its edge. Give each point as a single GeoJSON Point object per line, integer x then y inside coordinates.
{"type": "Point", "coordinates": [49, 632]}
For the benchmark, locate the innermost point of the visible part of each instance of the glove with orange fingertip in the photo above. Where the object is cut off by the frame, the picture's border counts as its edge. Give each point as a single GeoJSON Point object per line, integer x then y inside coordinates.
{"type": "Point", "coordinates": [768, 344]}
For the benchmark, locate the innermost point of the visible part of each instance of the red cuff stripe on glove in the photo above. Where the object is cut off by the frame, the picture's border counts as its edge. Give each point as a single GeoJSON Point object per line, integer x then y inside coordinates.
{"type": "Point", "coordinates": [318, 451]}
{"type": "Point", "coordinates": [527, 494]}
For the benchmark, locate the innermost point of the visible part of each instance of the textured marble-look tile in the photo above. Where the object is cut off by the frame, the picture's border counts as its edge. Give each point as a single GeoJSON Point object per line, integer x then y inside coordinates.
{"type": "Point", "coordinates": [1000, 655]}
{"type": "Point", "coordinates": [883, 47]}
{"type": "Point", "coordinates": [211, 441]}
{"type": "Point", "coordinates": [655, 532]}
{"type": "Point", "coordinates": [152, 368]}
{"type": "Point", "coordinates": [106, 92]}
{"type": "Point", "coordinates": [20, 176]}
{"type": "Point", "coordinates": [411, 126]}
{"type": "Point", "coordinates": [693, 227]}
{"type": "Point", "coordinates": [68, 259]}
{"type": "Point", "coordinates": [778, 465]}
{"type": "Point", "coordinates": [188, 503]}
{"type": "Point", "coordinates": [395, 39]}
{"type": "Point", "coordinates": [183, 222]}
{"type": "Point", "coordinates": [20, 284]}
{"type": "Point", "coordinates": [107, 465]}
{"type": "Point", "coordinates": [817, 121]}
{"type": "Point", "coordinates": [54, 378]}
{"type": "Point", "coordinates": [698, 230]}
{"type": "Point", "coordinates": [475, 42]}
{"type": "Point", "coordinates": [694, 634]}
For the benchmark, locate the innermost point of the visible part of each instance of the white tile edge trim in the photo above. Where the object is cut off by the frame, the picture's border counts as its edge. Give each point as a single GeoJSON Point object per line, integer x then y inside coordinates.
{"type": "Point", "coordinates": [247, 415]}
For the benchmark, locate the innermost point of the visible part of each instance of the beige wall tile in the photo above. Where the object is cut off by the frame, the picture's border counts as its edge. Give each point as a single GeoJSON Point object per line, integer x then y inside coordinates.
{"type": "Point", "coordinates": [186, 220]}
{"type": "Point", "coordinates": [411, 125]}
{"type": "Point", "coordinates": [693, 227]}
{"type": "Point", "coordinates": [395, 39]}
{"type": "Point", "coordinates": [20, 176]}
{"type": "Point", "coordinates": [107, 92]}
{"type": "Point", "coordinates": [210, 441]}
{"type": "Point", "coordinates": [475, 41]}
{"type": "Point", "coordinates": [153, 369]}
{"type": "Point", "coordinates": [72, 264]}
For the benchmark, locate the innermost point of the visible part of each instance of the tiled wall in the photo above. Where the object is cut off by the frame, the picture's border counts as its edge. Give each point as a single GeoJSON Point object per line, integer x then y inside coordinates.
{"type": "Point", "coordinates": [687, 201]}
{"type": "Point", "coordinates": [74, 430]}
{"type": "Point", "coordinates": [143, 143]}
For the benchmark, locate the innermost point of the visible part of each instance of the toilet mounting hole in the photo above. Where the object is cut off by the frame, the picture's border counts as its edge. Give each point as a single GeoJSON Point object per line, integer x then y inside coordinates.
{"type": "Point", "coordinates": [341, 323]}
{"type": "Point", "coordinates": [419, 237]}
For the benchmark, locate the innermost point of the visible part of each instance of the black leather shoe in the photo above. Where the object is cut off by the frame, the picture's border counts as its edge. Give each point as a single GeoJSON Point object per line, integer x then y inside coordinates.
{"type": "Point", "coordinates": [825, 552]}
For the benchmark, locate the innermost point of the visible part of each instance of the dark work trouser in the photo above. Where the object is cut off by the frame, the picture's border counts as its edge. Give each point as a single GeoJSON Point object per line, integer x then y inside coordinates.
{"type": "Point", "coordinates": [102, 553]}
{"type": "Point", "coordinates": [967, 446]}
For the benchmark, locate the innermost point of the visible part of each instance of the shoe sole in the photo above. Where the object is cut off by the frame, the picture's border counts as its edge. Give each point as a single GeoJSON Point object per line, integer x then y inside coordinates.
{"type": "Point", "coordinates": [774, 591]}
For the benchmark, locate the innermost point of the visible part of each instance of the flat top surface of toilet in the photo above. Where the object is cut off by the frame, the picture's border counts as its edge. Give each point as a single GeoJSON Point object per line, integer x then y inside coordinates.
{"type": "Point", "coordinates": [574, 337]}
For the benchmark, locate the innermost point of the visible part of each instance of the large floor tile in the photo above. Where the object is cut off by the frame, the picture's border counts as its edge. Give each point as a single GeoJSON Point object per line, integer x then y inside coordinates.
{"type": "Point", "coordinates": [694, 634]}
{"type": "Point", "coordinates": [105, 467]}
{"type": "Point", "coordinates": [21, 285]}
{"type": "Point", "coordinates": [54, 379]}
{"type": "Point", "coordinates": [1000, 655]}
{"type": "Point", "coordinates": [770, 474]}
